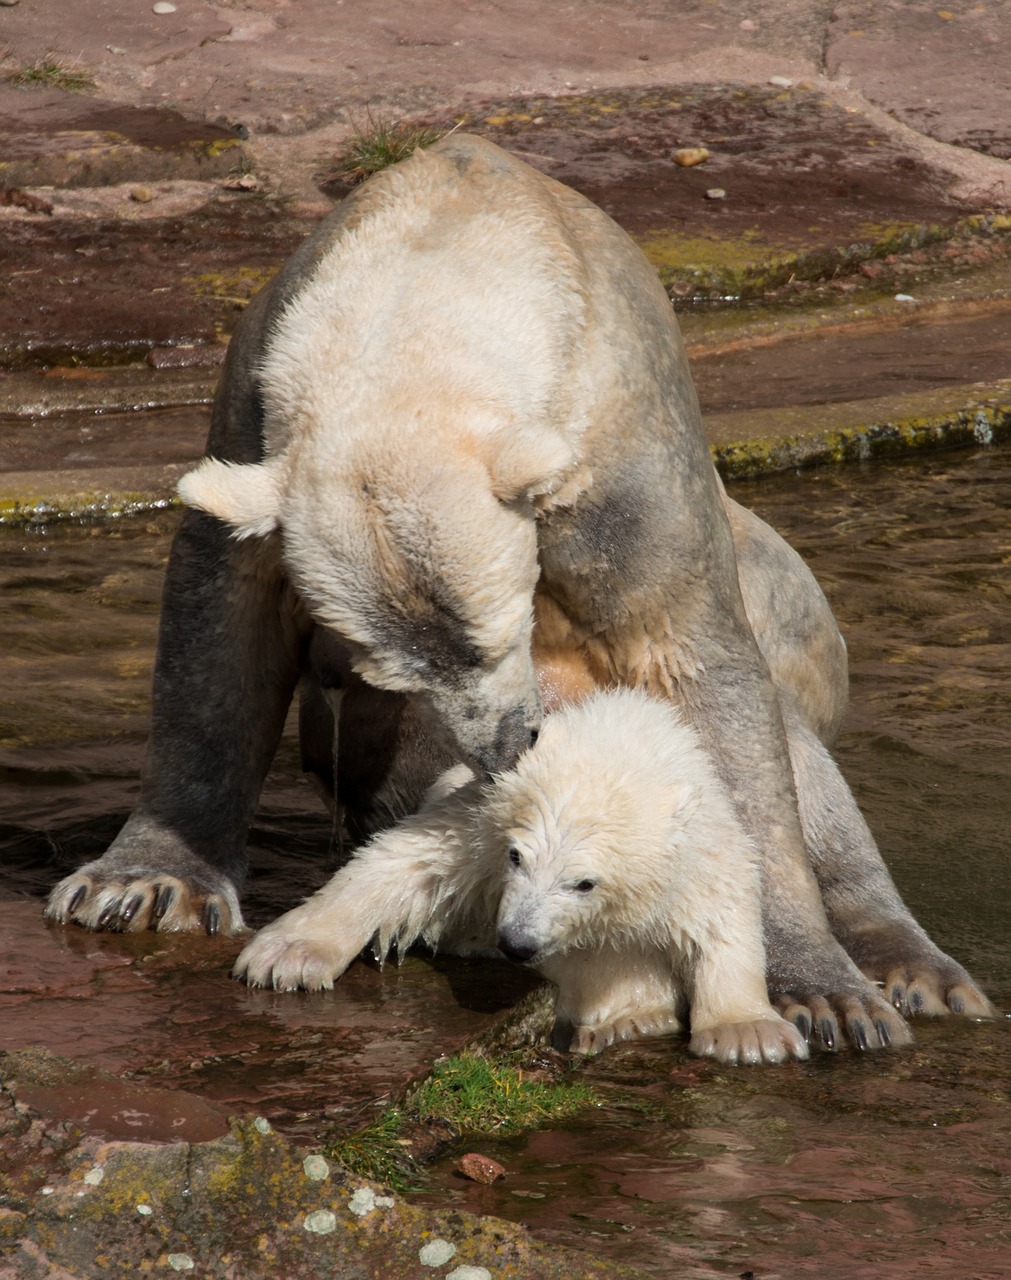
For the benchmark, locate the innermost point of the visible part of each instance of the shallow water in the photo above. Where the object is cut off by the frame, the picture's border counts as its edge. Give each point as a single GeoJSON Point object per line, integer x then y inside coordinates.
{"type": "Point", "coordinates": [891, 1165]}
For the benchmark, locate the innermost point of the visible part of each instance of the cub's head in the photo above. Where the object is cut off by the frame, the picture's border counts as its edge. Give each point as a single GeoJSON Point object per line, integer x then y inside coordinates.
{"type": "Point", "coordinates": [590, 828]}
{"type": "Point", "coordinates": [421, 563]}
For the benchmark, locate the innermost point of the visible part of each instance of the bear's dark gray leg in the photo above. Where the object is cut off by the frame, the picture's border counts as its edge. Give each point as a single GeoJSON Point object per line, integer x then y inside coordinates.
{"type": "Point", "coordinates": [863, 905]}
{"type": "Point", "coordinates": [226, 668]}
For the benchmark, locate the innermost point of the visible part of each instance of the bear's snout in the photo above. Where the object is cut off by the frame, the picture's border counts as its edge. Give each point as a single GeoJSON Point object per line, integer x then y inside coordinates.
{"type": "Point", "coordinates": [517, 946]}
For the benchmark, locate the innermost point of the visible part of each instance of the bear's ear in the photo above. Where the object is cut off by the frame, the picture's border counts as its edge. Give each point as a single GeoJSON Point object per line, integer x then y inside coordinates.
{"type": "Point", "coordinates": [525, 467]}
{"type": "Point", "coordinates": [243, 495]}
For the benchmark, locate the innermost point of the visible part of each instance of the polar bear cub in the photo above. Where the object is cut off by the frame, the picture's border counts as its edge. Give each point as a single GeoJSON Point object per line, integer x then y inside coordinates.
{"type": "Point", "coordinates": [609, 859]}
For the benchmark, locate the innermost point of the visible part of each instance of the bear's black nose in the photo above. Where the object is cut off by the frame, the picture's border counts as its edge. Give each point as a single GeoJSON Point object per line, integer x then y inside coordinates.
{"type": "Point", "coordinates": [517, 949]}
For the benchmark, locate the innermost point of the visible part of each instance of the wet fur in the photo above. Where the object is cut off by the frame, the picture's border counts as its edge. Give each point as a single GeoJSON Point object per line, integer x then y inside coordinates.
{"type": "Point", "coordinates": [616, 795]}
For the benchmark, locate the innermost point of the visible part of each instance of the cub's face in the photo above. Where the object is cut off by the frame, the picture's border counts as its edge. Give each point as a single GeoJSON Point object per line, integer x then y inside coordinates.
{"type": "Point", "coordinates": [555, 896]}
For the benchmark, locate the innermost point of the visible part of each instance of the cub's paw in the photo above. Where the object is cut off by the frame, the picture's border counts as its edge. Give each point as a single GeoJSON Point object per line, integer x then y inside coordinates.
{"type": "Point", "coordinates": [768, 1040]}
{"type": "Point", "coordinates": [864, 1021]}
{"type": "Point", "coordinates": [135, 900]}
{"type": "Point", "coordinates": [286, 961]}
{"type": "Point", "coordinates": [594, 1038]}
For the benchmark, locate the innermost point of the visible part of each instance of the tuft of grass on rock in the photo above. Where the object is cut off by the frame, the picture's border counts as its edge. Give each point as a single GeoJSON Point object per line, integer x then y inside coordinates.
{"type": "Point", "coordinates": [378, 1152]}
{"type": "Point", "coordinates": [53, 72]}
{"type": "Point", "coordinates": [383, 143]}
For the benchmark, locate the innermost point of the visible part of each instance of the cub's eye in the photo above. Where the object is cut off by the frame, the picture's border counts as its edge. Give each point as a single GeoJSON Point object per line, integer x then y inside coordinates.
{"type": "Point", "coordinates": [514, 857]}
{"type": "Point", "coordinates": [586, 886]}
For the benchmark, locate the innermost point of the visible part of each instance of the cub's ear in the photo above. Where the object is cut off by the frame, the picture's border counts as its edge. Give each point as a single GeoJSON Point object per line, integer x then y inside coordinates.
{"type": "Point", "coordinates": [243, 495]}
{"type": "Point", "coordinates": [527, 467]}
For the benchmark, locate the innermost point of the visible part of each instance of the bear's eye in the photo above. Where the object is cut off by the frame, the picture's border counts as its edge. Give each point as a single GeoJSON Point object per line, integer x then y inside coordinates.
{"type": "Point", "coordinates": [514, 856]}
{"type": "Point", "coordinates": [586, 886]}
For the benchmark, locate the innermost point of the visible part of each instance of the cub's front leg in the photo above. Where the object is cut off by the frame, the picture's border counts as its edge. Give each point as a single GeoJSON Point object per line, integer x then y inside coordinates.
{"type": "Point", "coordinates": [412, 881]}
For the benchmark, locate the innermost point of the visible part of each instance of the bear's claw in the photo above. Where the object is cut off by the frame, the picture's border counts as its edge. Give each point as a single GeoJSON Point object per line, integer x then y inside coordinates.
{"type": "Point", "coordinates": [864, 1022]}
{"type": "Point", "coordinates": [145, 901]}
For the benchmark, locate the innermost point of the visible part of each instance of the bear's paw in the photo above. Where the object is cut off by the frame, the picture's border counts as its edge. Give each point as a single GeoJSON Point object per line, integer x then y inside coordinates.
{"type": "Point", "coordinates": [864, 1021]}
{"type": "Point", "coordinates": [132, 903]}
{"type": "Point", "coordinates": [934, 991]}
{"type": "Point", "coordinates": [766, 1040]}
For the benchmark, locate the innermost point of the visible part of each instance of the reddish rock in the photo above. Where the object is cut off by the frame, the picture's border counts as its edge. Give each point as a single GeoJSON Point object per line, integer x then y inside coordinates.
{"type": "Point", "coordinates": [480, 1168]}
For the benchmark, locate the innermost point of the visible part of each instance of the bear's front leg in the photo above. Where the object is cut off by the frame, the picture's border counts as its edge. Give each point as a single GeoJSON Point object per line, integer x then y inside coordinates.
{"type": "Point", "coordinates": [225, 671]}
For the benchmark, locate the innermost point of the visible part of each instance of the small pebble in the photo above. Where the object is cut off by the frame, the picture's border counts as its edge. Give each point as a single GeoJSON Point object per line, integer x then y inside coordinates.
{"type": "Point", "coordinates": [748, 25]}
{"type": "Point", "coordinates": [688, 156]}
{"type": "Point", "coordinates": [436, 1253]}
{"type": "Point", "coordinates": [181, 1262]}
{"type": "Point", "coordinates": [469, 1273]}
{"type": "Point", "coordinates": [321, 1223]}
{"type": "Point", "coordinates": [115, 48]}
{"type": "Point", "coordinates": [143, 195]}
{"type": "Point", "coordinates": [904, 297]}
{"type": "Point", "coordinates": [163, 6]}
{"type": "Point", "coordinates": [94, 1176]}
{"type": "Point", "coordinates": [261, 1125]}
{"type": "Point", "coordinates": [716, 193]}
{"type": "Point", "coordinates": [145, 1210]}
{"type": "Point", "coordinates": [480, 1168]}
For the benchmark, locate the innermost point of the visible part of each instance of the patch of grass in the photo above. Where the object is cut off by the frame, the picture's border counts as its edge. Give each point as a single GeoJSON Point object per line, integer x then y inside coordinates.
{"type": "Point", "coordinates": [377, 1152]}
{"type": "Point", "coordinates": [53, 72]}
{"type": "Point", "coordinates": [468, 1094]}
{"type": "Point", "coordinates": [383, 143]}
{"type": "Point", "coordinates": [477, 1095]}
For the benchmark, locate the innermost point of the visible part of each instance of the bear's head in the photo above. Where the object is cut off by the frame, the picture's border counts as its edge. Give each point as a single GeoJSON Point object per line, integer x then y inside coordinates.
{"type": "Point", "coordinates": [592, 827]}
{"type": "Point", "coordinates": [423, 564]}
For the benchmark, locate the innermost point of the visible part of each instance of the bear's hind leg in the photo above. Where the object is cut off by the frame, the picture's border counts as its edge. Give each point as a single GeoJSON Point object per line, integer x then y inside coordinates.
{"type": "Point", "coordinates": [864, 908]}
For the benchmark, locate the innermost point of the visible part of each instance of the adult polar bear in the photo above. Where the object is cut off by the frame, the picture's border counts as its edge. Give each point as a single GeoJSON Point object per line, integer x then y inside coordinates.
{"type": "Point", "coordinates": [467, 385]}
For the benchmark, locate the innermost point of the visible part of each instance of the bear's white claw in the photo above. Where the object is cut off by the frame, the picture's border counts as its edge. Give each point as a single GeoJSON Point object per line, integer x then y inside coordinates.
{"type": "Point", "coordinates": [287, 963]}
{"type": "Point", "coordinates": [767, 1040]}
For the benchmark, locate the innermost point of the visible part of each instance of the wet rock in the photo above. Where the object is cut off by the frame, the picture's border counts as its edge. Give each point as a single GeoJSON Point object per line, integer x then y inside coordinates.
{"type": "Point", "coordinates": [688, 157]}
{"type": "Point", "coordinates": [479, 1168]}
{"type": "Point", "coordinates": [240, 1204]}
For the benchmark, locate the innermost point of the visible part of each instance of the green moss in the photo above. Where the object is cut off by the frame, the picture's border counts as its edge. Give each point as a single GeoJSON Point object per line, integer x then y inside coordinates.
{"type": "Point", "coordinates": [750, 266]}
{"type": "Point", "coordinates": [468, 1094]}
{"type": "Point", "coordinates": [236, 286]}
{"type": "Point", "coordinates": [474, 1094]}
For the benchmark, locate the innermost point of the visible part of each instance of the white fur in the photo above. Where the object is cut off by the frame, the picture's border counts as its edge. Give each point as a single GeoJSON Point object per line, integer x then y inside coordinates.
{"type": "Point", "coordinates": [419, 396]}
{"type": "Point", "coordinates": [610, 856]}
